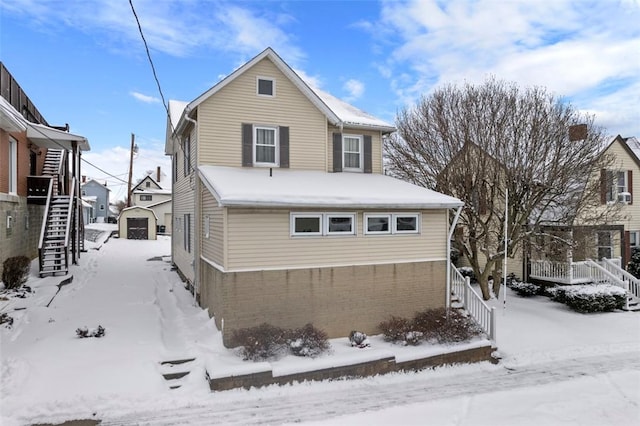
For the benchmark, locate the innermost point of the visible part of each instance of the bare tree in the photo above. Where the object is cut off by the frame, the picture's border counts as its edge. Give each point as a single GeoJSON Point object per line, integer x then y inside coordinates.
{"type": "Point", "coordinates": [476, 142]}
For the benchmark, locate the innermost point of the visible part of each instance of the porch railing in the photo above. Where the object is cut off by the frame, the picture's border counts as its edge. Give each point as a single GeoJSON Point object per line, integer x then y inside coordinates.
{"type": "Point", "coordinates": [561, 272]}
{"type": "Point", "coordinates": [473, 303]}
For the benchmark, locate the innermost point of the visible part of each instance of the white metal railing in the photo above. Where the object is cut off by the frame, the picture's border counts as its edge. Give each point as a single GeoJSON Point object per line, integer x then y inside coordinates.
{"type": "Point", "coordinates": [473, 303]}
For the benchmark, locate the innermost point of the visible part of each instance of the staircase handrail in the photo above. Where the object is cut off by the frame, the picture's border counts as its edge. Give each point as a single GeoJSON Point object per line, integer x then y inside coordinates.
{"type": "Point", "coordinates": [46, 212]}
{"type": "Point", "coordinates": [616, 281]}
{"type": "Point", "coordinates": [473, 303]}
{"type": "Point", "coordinates": [632, 282]}
{"type": "Point", "coordinates": [69, 214]}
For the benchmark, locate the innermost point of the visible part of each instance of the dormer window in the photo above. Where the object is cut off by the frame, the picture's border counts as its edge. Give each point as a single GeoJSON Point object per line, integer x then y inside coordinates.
{"type": "Point", "coordinates": [266, 86]}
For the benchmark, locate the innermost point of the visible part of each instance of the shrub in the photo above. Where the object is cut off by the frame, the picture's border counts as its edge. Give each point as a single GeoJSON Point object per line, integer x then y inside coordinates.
{"type": "Point", "coordinates": [260, 342]}
{"type": "Point", "coordinates": [15, 271]}
{"type": "Point", "coordinates": [436, 325]}
{"type": "Point", "coordinates": [467, 271]}
{"type": "Point", "coordinates": [524, 289]}
{"type": "Point", "coordinates": [634, 263]}
{"type": "Point", "coordinates": [6, 319]}
{"type": "Point", "coordinates": [307, 341]}
{"type": "Point", "coordinates": [267, 341]}
{"type": "Point", "coordinates": [400, 330]}
{"type": "Point", "coordinates": [94, 332]}
{"type": "Point", "coordinates": [590, 297]}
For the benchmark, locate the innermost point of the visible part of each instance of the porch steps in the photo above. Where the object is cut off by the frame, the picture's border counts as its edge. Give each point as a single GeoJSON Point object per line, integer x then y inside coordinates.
{"type": "Point", "coordinates": [174, 371]}
{"type": "Point", "coordinates": [633, 305]}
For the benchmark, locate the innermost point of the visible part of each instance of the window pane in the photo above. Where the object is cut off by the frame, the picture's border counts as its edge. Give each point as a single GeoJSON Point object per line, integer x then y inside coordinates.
{"type": "Point", "coordinates": [351, 144]}
{"type": "Point", "coordinates": [265, 136]}
{"type": "Point", "coordinates": [265, 87]}
{"type": "Point", "coordinates": [307, 224]}
{"type": "Point", "coordinates": [341, 224]}
{"type": "Point", "coordinates": [604, 238]}
{"type": "Point", "coordinates": [633, 238]}
{"type": "Point", "coordinates": [378, 224]}
{"type": "Point", "coordinates": [352, 160]}
{"type": "Point", "coordinates": [265, 154]}
{"type": "Point", "coordinates": [406, 223]}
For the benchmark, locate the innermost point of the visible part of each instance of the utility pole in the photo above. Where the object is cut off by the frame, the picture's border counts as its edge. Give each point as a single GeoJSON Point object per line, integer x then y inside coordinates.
{"type": "Point", "coordinates": [133, 149]}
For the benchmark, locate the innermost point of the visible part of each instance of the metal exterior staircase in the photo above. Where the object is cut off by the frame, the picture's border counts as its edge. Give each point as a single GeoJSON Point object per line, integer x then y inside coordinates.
{"type": "Point", "coordinates": [58, 216]}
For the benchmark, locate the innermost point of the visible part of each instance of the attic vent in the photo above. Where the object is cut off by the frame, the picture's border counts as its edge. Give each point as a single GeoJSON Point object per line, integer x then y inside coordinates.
{"type": "Point", "coordinates": [266, 86]}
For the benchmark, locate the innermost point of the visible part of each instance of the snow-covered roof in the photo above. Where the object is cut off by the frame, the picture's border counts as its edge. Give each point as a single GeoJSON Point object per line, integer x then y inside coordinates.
{"type": "Point", "coordinates": [10, 119]}
{"type": "Point", "coordinates": [232, 186]}
{"type": "Point", "coordinates": [338, 112]}
{"type": "Point", "coordinates": [90, 198]}
{"type": "Point", "coordinates": [634, 146]}
{"type": "Point", "coordinates": [137, 207]}
{"type": "Point", "coordinates": [150, 206]}
{"type": "Point", "coordinates": [152, 191]}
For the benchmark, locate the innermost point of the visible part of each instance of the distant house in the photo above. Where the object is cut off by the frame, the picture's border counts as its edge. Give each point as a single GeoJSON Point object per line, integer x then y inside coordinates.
{"type": "Point", "coordinates": [148, 193]}
{"type": "Point", "coordinates": [95, 189]}
{"type": "Point", "coordinates": [40, 207]}
{"type": "Point", "coordinates": [282, 212]}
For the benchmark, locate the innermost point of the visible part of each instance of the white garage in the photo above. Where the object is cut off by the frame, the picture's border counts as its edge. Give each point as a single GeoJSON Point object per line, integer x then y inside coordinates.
{"type": "Point", "coordinates": [137, 223]}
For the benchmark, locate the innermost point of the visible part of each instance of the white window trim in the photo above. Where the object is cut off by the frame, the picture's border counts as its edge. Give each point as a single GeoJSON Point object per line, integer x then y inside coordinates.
{"type": "Point", "coordinates": [276, 146]}
{"type": "Point", "coordinates": [207, 224]}
{"type": "Point", "coordinates": [292, 222]}
{"type": "Point", "coordinates": [273, 86]}
{"type": "Point", "coordinates": [374, 215]}
{"type": "Point", "coordinates": [328, 216]}
{"type": "Point", "coordinates": [361, 154]}
{"type": "Point", "coordinates": [636, 234]}
{"type": "Point", "coordinates": [13, 166]}
{"type": "Point", "coordinates": [395, 222]}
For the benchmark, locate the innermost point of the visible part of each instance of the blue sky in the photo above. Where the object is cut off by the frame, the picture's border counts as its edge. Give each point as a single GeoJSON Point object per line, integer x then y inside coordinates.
{"type": "Point", "coordinates": [84, 63]}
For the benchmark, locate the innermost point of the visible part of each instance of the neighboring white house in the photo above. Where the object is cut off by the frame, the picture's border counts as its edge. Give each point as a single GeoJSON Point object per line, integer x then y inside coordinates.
{"type": "Point", "coordinates": [282, 212]}
{"type": "Point", "coordinates": [149, 193]}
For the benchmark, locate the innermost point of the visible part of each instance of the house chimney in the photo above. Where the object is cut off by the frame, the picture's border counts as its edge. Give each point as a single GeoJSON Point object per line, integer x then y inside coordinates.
{"type": "Point", "coordinates": [158, 175]}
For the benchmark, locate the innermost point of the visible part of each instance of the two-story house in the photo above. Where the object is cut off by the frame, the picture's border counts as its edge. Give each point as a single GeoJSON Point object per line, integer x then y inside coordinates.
{"type": "Point", "coordinates": [150, 194]}
{"type": "Point", "coordinates": [282, 212]}
{"type": "Point", "coordinates": [99, 194]}
{"type": "Point", "coordinates": [40, 206]}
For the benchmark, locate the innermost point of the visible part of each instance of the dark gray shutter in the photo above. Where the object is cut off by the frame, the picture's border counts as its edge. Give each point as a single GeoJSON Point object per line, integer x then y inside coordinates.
{"type": "Point", "coordinates": [337, 152]}
{"type": "Point", "coordinates": [367, 166]}
{"type": "Point", "coordinates": [284, 147]}
{"type": "Point", "coordinates": [247, 145]}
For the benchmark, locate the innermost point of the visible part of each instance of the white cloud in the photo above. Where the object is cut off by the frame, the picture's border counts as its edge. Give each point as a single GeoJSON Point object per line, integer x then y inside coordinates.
{"type": "Point", "coordinates": [584, 52]}
{"type": "Point", "coordinates": [144, 98]}
{"type": "Point", "coordinates": [355, 89]}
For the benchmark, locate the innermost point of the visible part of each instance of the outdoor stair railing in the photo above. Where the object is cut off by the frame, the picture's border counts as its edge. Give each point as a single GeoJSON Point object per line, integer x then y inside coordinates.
{"type": "Point", "coordinates": [473, 303]}
{"type": "Point", "coordinates": [631, 283]}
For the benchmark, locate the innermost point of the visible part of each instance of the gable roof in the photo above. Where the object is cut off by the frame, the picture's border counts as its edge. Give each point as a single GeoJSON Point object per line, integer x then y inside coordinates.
{"type": "Point", "coordinates": [631, 145]}
{"type": "Point", "coordinates": [94, 182]}
{"type": "Point", "coordinates": [244, 187]}
{"type": "Point", "coordinates": [146, 178]}
{"type": "Point", "coordinates": [338, 112]}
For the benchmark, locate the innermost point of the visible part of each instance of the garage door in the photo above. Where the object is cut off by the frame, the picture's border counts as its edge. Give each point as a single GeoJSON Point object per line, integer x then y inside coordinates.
{"type": "Point", "coordinates": [138, 228]}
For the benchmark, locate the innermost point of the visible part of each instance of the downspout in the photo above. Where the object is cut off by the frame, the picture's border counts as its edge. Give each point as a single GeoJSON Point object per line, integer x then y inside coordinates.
{"type": "Point", "coordinates": [196, 212]}
{"type": "Point", "coordinates": [451, 231]}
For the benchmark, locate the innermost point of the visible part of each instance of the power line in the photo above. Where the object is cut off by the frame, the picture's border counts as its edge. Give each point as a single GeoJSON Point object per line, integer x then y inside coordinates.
{"type": "Point", "coordinates": [153, 68]}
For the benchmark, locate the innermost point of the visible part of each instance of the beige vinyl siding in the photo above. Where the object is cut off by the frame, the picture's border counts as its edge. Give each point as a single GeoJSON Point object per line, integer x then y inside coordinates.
{"type": "Point", "coordinates": [213, 247]}
{"type": "Point", "coordinates": [630, 212]}
{"type": "Point", "coordinates": [183, 203]}
{"type": "Point", "coordinates": [261, 239]}
{"type": "Point", "coordinates": [220, 118]}
{"type": "Point", "coordinates": [376, 147]}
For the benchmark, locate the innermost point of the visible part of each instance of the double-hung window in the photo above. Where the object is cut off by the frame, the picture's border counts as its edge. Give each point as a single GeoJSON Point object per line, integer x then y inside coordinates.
{"type": "Point", "coordinates": [352, 153]}
{"type": "Point", "coordinates": [605, 244]}
{"type": "Point", "coordinates": [265, 145]}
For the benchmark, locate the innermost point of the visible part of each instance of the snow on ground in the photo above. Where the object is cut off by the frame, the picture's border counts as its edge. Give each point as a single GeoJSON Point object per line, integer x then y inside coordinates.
{"type": "Point", "coordinates": [558, 367]}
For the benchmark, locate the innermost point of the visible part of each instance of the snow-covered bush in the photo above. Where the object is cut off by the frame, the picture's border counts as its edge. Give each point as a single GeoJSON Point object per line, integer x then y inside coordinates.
{"type": "Point", "coordinates": [634, 263]}
{"type": "Point", "coordinates": [446, 325]}
{"type": "Point", "coordinates": [6, 319]}
{"type": "Point", "coordinates": [523, 289]}
{"type": "Point", "coordinates": [431, 325]}
{"type": "Point", "coordinates": [15, 271]}
{"type": "Point", "coordinates": [359, 339]}
{"type": "Point", "coordinates": [467, 271]}
{"type": "Point", "coordinates": [261, 342]}
{"type": "Point", "coordinates": [94, 332]}
{"type": "Point", "coordinates": [400, 330]}
{"type": "Point", "coordinates": [307, 341]}
{"type": "Point", "coordinates": [267, 341]}
{"type": "Point", "coordinates": [590, 297]}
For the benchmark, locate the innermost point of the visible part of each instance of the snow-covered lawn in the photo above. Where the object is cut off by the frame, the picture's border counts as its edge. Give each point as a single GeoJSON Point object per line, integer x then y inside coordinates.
{"type": "Point", "coordinates": [558, 367]}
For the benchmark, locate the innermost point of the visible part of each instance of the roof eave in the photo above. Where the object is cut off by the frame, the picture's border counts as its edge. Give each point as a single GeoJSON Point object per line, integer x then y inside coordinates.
{"type": "Point", "coordinates": [369, 206]}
